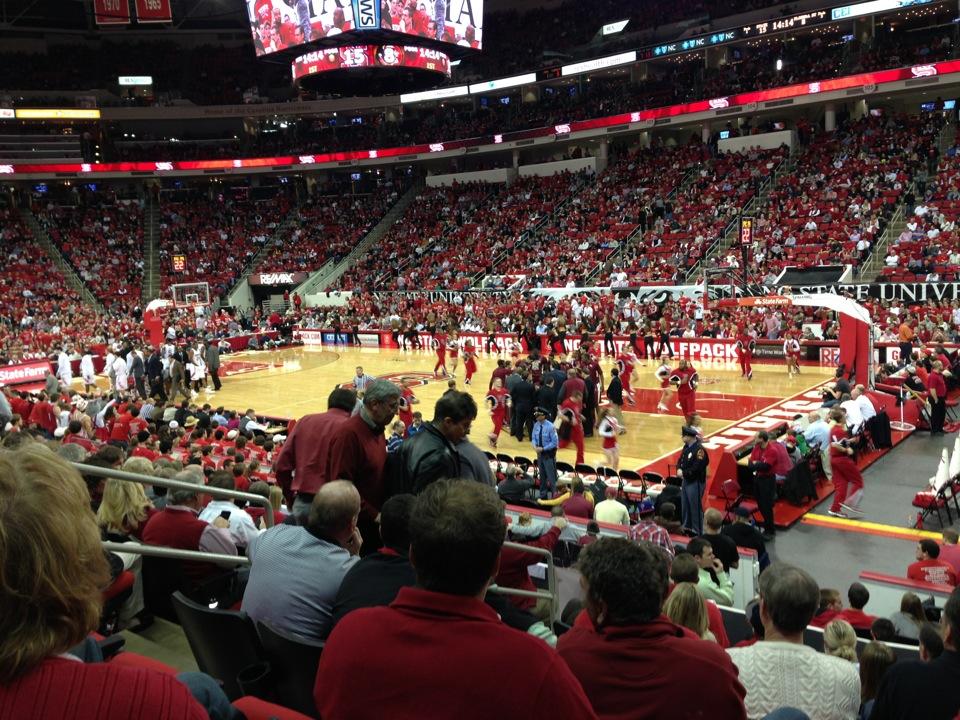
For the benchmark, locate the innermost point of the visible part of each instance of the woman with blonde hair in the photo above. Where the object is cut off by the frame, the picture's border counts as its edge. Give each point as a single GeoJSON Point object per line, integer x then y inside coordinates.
{"type": "Point", "coordinates": [686, 607]}
{"type": "Point", "coordinates": [840, 640]}
{"type": "Point", "coordinates": [52, 575]}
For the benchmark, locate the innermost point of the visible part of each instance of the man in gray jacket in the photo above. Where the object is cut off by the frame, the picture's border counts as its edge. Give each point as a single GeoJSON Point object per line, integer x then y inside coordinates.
{"type": "Point", "coordinates": [212, 358]}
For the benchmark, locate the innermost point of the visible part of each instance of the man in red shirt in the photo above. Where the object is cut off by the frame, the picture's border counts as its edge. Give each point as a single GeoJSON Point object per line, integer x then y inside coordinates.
{"type": "Point", "coordinates": [625, 585]}
{"type": "Point", "coordinates": [44, 416]}
{"type": "Point", "coordinates": [929, 568]}
{"type": "Point", "coordinates": [301, 467]}
{"type": "Point", "coordinates": [950, 550]}
{"type": "Point", "coordinates": [571, 410]}
{"type": "Point", "coordinates": [846, 475]}
{"type": "Point", "coordinates": [441, 626]}
{"type": "Point", "coordinates": [857, 596]}
{"type": "Point", "coordinates": [514, 568]}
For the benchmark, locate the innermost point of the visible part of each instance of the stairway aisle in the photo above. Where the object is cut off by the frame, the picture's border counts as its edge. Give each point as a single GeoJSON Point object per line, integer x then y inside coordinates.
{"type": "Point", "coordinates": [151, 251]}
{"type": "Point", "coordinates": [44, 240]}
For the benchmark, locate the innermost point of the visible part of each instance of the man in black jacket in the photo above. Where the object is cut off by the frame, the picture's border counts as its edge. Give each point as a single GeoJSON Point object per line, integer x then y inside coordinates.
{"type": "Point", "coordinates": [547, 396]}
{"type": "Point", "coordinates": [615, 396]}
{"type": "Point", "coordinates": [155, 374]}
{"type": "Point", "coordinates": [523, 398]}
{"type": "Point", "coordinates": [431, 454]}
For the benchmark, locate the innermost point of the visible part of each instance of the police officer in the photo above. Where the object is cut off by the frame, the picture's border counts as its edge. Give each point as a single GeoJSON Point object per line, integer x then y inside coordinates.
{"type": "Point", "coordinates": [692, 469]}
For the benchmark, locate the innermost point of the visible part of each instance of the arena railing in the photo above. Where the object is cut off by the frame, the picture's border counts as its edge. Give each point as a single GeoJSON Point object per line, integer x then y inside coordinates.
{"type": "Point", "coordinates": [170, 484]}
{"type": "Point", "coordinates": [551, 575]}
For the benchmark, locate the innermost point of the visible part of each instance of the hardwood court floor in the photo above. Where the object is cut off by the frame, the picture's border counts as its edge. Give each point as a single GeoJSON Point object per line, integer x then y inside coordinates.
{"type": "Point", "coordinates": [295, 381]}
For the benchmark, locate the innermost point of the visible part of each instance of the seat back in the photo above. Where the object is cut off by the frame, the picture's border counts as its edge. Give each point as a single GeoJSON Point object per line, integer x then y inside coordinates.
{"type": "Point", "coordinates": [161, 578]}
{"type": "Point", "coordinates": [564, 467]}
{"type": "Point", "coordinates": [583, 470]}
{"type": "Point", "coordinates": [293, 664]}
{"type": "Point", "coordinates": [630, 476]}
{"type": "Point", "coordinates": [224, 642]}
{"type": "Point", "coordinates": [730, 489]}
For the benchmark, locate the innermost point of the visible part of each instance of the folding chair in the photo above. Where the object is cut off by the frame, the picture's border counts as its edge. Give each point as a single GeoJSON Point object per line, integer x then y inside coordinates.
{"type": "Point", "coordinates": [565, 467]}
{"type": "Point", "coordinates": [504, 461]}
{"type": "Point", "coordinates": [583, 470]}
{"type": "Point", "coordinates": [733, 497]}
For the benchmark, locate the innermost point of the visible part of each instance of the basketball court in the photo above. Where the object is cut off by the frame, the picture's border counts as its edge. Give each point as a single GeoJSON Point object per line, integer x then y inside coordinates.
{"type": "Point", "coordinates": [295, 381]}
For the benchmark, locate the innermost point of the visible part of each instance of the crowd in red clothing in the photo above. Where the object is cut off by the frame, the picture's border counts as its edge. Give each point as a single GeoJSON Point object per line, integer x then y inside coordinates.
{"type": "Point", "coordinates": [102, 238]}
{"type": "Point", "coordinates": [218, 237]}
{"type": "Point", "coordinates": [328, 227]}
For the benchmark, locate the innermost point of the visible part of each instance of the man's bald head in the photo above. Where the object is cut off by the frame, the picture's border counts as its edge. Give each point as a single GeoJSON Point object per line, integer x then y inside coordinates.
{"type": "Point", "coordinates": [334, 510]}
{"type": "Point", "coordinates": [814, 417]}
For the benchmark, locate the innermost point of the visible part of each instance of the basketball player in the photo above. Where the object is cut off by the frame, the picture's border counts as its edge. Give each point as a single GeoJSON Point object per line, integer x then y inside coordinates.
{"type": "Point", "coordinates": [571, 412]}
{"type": "Point", "coordinates": [405, 413]}
{"type": "Point", "coordinates": [745, 345]}
{"type": "Point", "coordinates": [497, 400]}
{"type": "Point", "coordinates": [791, 351]}
{"type": "Point", "coordinates": [87, 371]}
{"type": "Point", "coordinates": [687, 390]}
{"type": "Point", "coordinates": [441, 349]}
{"type": "Point", "coordinates": [626, 362]}
{"type": "Point", "coordinates": [663, 374]}
{"type": "Point", "coordinates": [469, 361]}
{"type": "Point", "coordinates": [453, 351]}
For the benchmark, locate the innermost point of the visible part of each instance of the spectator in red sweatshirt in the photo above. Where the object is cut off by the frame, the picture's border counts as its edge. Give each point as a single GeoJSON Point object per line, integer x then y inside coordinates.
{"type": "Point", "coordinates": [929, 567]}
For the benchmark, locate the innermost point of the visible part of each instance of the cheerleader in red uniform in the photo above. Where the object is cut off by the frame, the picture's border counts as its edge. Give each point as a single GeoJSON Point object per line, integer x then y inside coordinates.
{"type": "Point", "coordinates": [453, 351]}
{"type": "Point", "coordinates": [497, 400]}
{"type": "Point", "coordinates": [441, 348]}
{"type": "Point", "coordinates": [791, 351]}
{"type": "Point", "coordinates": [469, 361]}
{"type": "Point", "coordinates": [608, 428]}
{"type": "Point", "coordinates": [663, 374]}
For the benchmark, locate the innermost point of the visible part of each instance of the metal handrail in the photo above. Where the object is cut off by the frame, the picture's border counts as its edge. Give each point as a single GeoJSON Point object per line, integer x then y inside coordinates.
{"type": "Point", "coordinates": [551, 576]}
{"type": "Point", "coordinates": [179, 485]}
{"type": "Point", "coordinates": [136, 548]}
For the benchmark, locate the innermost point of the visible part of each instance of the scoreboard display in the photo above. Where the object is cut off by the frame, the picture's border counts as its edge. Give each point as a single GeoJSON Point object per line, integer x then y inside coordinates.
{"type": "Point", "coordinates": [179, 263]}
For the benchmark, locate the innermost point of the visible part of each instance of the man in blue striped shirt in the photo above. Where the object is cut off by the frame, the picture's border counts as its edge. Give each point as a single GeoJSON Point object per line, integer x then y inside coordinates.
{"type": "Point", "coordinates": [545, 442]}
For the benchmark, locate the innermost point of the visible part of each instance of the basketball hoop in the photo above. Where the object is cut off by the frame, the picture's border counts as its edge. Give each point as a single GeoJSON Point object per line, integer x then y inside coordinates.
{"type": "Point", "coordinates": [190, 295]}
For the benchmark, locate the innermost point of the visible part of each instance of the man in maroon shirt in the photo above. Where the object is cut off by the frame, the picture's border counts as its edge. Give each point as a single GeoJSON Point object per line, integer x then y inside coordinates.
{"type": "Point", "coordinates": [302, 464]}
{"type": "Point", "coordinates": [950, 550]}
{"type": "Point", "coordinates": [358, 452]}
{"type": "Point", "coordinates": [634, 662]}
{"type": "Point", "coordinates": [440, 637]}
{"type": "Point", "coordinates": [514, 568]}
{"type": "Point", "coordinates": [44, 416]}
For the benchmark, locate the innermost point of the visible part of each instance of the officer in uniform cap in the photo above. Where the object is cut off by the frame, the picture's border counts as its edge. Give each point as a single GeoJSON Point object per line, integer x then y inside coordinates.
{"type": "Point", "coordinates": [692, 469]}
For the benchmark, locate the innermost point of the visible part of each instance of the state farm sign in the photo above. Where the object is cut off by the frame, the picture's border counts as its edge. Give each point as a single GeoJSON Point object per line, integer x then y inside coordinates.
{"type": "Point", "coordinates": [25, 373]}
{"type": "Point", "coordinates": [278, 278]}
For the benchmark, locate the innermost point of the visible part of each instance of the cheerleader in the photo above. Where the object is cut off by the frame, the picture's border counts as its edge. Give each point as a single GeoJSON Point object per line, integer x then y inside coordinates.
{"type": "Point", "coordinates": [516, 350]}
{"type": "Point", "coordinates": [608, 428]}
{"type": "Point", "coordinates": [469, 361]}
{"type": "Point", "coordinates": [453, 351]}
{"type": "Point", "coordinates": [662, 374]}
{"type": "Point", "coordinates": [745, 345]}
{"type": "Point", "coordinates": [497, 401]}
{"type": "Point", "coordinates": [791, 351]}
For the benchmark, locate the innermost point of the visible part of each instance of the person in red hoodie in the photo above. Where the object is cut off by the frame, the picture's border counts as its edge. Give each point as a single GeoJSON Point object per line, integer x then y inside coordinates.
{"type": "Point", "coordinates": [858, 596]}
{"type": "Point", "coordinates": [120, 430]}
{"type": "Point", "coordinates": [514, 566]}
{"type": "Point", "coordinates": [625, 584]}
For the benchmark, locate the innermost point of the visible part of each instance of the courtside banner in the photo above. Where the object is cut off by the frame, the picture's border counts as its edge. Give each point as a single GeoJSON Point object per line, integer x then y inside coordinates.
{"type": "Point", "coordinates": [154, 11]}
{"type": "Point", "coordinates": [24, 373]}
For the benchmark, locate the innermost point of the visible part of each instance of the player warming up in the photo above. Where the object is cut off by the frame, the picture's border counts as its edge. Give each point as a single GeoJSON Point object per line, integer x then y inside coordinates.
{"type": "Point", "coordinates": [441, 348]}
{"type": "Point", "coordinates": [497, 400]}
{"type": "Point", "coordinates": [745, 346]}
{"type": "Point", "coordinates": [571, 415]}
{"type": "Point", "coordinates": [405, 413]}
{"type": "Point", "coordinates": [469, 361]}
{"type": "Point", "coordinates": [626, 362]}
{"type": "Point", "coordinates": [686, 379]}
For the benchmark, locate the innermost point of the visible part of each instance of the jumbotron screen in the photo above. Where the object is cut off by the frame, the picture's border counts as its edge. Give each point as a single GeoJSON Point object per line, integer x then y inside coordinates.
{"type": "Point", "coordinates": [370, 56]}
{"type": "Point", "coordinates": [282, 24]}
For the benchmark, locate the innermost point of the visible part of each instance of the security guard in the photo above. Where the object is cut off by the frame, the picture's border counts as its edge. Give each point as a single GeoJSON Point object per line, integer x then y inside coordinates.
{"type": "Point", "coordinates": [692, 469]}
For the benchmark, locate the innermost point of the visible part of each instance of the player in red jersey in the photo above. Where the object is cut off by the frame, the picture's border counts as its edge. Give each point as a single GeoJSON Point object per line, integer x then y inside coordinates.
{"type": "Point", "coordinates": [626, 361]}
{"type": "Point", "coordinates": [745, 345]}
{"type": "Point", "coordinates": [405, 413]}
{"type": "Point", "coordinates": [571, 413]}
{"type": "Point", "coordinates": [687, 390]}
{"type": "Point", "coordinates": [497, 400]}
{"type": "Point", "coordinates": [453, 351]}
{"type": "Point", "coordinates": [441, 348]}
{"type": "Point", "coordinates": [791, 351]}
{"type": "Point", "coordinates": [469, 360]}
